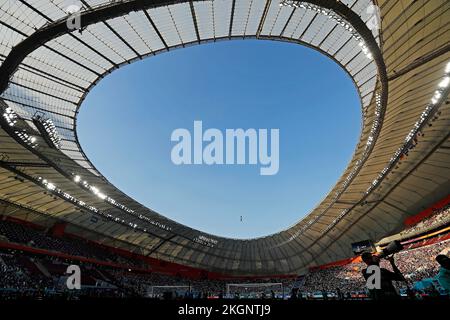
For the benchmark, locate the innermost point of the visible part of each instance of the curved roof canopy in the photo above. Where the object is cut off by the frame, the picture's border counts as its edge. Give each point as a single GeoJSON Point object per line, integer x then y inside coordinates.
{"type": "Point", "coordinates": [398, 64]}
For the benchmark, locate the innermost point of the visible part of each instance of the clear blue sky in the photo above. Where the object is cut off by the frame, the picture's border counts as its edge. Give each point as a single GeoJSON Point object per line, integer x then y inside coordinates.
{"type": "Point", "coordinates": [126, 122]}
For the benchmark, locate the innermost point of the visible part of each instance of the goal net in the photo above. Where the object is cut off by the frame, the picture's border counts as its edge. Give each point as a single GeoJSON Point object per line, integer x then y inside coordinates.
{"type": "Point", "coordinates": [170, 292]}
{"type": "Point", "coordinates": [255, 290]}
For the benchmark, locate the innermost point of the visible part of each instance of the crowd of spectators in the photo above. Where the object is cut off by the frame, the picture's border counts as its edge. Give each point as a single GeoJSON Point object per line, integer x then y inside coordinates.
{"type": "Point", "coordinates": [12, 275]}
{"type": "Point", "coordinates": [155, 285]}
{"type": "Point", "coordinates": [347, 281]}
{"type": "Point", "coordinates": [25, 275]}
{"type": "Point", "coordinates": [31, 275]}
{"type": "Point", "coordinates": [21, 276]}
{"type": "Point", "coordinates": [438, 218]}
{"type": "Point", "coordinates": [29, 236]}
{"type": "Point", "coordinates": [347, 278]}
{"type": "Point", "coordinates": [144, 284]}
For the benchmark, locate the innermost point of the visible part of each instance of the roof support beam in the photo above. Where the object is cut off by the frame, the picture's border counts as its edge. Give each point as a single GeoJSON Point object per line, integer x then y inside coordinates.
{"type": "Point", "coordinates": [116, 9]}
{"type": "Point", "coordinates": [307, 27]}
{"type": "Point", "coordinates": [156, 29]}
{"type": "Point", "coordinates": [194, 20]}
{"type": "Point", "coordinates": [233, 6]}
{"type": "Point", "coordinates": [163, 241]}
{"type": "Point", "coordinates": [263, 18]}
{"type": "Point", "coordinates": [45, 46]}
{"type": "Point", "coordinates": [115, 33]}
{"type": "Point", "coordinates": [27, 164]}
{"type": "Point", "coordinates": [73, 36]}
{"type": "Point", "coordinates": [420, 62]}
{"type": "Point", "coordinates": [288, 20]}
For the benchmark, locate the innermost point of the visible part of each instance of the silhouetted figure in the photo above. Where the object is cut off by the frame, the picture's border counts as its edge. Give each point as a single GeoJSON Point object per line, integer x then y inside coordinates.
{"type": "Point", "coordinates": [387, 289]}
{"type": "Point", "coordinates": [443, 276]}
{"type": "Point", "coordinates": [293, 294]}
{"type": "Point", "coordinates": [339, 294]}
{"type": "Point", "coordinates": [324, 294]}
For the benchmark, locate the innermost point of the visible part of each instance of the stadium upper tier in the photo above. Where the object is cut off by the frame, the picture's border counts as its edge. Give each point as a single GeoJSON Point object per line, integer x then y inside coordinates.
{"type": "Point", "coordinates": [397, 54]}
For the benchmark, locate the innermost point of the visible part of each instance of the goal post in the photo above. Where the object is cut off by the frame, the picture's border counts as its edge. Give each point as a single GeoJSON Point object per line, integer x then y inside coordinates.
{"type": "Point", "coordinates": [252, 290]}
{"type": "Point", "coordinates": [155, 291]}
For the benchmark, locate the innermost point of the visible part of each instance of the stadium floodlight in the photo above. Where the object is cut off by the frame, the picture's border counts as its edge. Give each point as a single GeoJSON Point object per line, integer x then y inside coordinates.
{"type": "Point", "coordinates": [51, 186]}
{"type": "Point", "coordinates": [101, 195]}
{"type": "Point", "coordinates": [10, 116]}
{"type": "Point", "coordinates": [444, 83]}
{"type": "Point", "coordinates": [48, 131]}
{"type": "Point", "coordinates": [98, 193]}
{"type": "Point", "coordinates": [120, 206]}
{"type": "Point", "coordinates": [437, 95]}
{"type": "Point", "coordinates": [113, 202]}
{"type": "Point", "coordinates": [411, 139]}
{"type": "Point", "coordinates": [28, 139]}
{"type": "Point", "coordinates": [95, 190]}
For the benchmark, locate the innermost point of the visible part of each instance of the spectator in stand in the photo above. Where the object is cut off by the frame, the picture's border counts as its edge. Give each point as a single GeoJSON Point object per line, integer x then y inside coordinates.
{"type": "Point", "coordinates": [443, 276]}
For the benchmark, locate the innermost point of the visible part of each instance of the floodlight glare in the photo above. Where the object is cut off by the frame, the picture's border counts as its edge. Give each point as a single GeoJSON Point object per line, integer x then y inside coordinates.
{"type": "Point", "coordinates": [444, 83]}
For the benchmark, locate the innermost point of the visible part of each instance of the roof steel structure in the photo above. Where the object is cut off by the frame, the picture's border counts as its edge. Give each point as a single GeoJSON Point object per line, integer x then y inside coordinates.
{"type": "Point", "coordinates": [398, 66]}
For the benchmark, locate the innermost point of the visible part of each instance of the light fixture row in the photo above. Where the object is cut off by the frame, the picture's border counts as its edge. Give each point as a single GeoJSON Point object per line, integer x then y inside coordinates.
{"type": "Point", "coordinates": [410, 140]}
{"type": "Point", "coordinates": [333, 16]}
{"type": "Point", "coordinates": [77, 179]}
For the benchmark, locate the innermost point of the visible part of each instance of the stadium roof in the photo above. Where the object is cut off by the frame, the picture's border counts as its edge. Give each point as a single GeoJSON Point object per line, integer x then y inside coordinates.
{"type": "Point", "coordinates": [399, 65]}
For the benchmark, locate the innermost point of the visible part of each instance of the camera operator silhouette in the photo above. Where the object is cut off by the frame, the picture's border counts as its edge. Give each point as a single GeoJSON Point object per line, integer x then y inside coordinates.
{"type": "Point", "coordinates": [386, 288]}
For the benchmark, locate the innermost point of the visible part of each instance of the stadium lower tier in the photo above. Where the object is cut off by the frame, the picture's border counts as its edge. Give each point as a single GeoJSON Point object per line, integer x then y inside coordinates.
{"type": "Point", "coordinates": [34, 264]}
